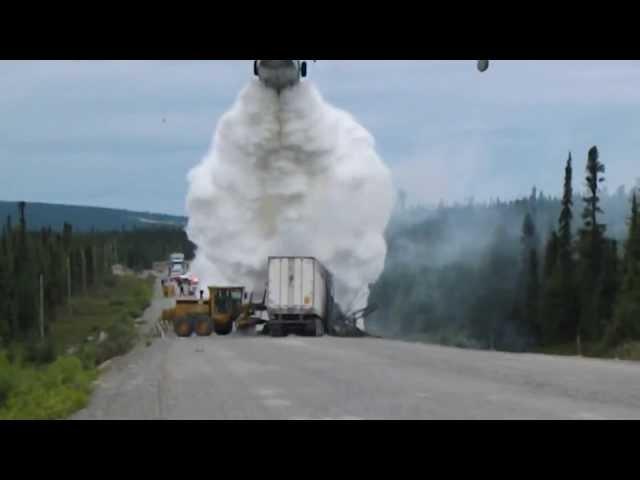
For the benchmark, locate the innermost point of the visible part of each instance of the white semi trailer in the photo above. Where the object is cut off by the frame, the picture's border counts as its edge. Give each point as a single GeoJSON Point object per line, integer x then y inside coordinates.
{"type": "Point", "coordinates": [299, 296]}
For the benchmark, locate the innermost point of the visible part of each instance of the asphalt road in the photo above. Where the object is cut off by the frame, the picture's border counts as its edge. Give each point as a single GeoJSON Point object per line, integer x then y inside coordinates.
{"type": "Point", "coordinates": [238, 377]}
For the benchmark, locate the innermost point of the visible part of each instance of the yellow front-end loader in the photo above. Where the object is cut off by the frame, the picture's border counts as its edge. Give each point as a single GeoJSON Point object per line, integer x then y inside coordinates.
{"type": "Point", "coordinates": [219, 313]}
{"type": "Point", "coordinates": [225, 308]}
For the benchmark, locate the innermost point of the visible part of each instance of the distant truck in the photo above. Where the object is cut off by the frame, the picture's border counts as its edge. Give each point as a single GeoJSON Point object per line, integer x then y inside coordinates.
{"type": "Point", "coordinates": [299, 296]}
{"type": "Point", "coordinates": [176, 270]}
{"type": "Point", "coordinates": [176, 258]}
{"type": "Point", "coordinates": [177, 265]}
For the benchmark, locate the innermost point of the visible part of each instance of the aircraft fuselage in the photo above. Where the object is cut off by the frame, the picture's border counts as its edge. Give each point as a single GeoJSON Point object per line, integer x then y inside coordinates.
{"type": "Point", "coordinates": [279, 74]}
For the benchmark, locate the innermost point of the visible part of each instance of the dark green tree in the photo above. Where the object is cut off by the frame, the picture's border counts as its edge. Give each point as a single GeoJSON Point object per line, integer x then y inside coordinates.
{"type": "Point", "coordinates": [551, 254]}
{"type": "Point", "coordinates": [67, 236]}
{"type": "Point", "coordinates": [568, 315]}
{"type": "Point", "coordinates": [23, 222]}
{"type": "Point", "coordinates": [26, 278]}
{"type": "Point", "coordinates": [626, 317]}
{"type": "Point", "coordinates": [528, 296]}
{"type": "Point", "coordinates": [609, 284]}
{"type": "Point", "coordinates": [490, 315]}
{"type": "Point", "coordinates": [564, 222]}
{"type": "Point", "coordinates": [8, 305]}
{"type": "Point", "coordinates": [532, 325]}
{"type": "Point", "coordinates": [632, 245]}
{"type": "Point", "coordinates": [529, 238]}
{"type": "Point", "coordinates": [592, 250]}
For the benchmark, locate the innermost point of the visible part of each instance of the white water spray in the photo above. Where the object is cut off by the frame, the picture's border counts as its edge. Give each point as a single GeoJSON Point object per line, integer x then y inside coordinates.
{"type": "Point", "coordinates": [289, 175]}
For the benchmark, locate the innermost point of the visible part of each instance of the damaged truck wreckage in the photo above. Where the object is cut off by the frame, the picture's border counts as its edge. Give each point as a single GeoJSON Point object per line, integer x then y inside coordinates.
{"type": "Point", "coordinates": [299, 298]}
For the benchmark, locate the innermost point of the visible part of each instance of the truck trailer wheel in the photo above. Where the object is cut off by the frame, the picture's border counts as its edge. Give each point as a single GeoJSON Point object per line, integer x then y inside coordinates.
{"type": "Point", "coordinates": [303, 69]}
{"type": "Point", "coordinates": [310, 329]}
{"type": "Point", "coordinates": [319, 330]}
{"type": "Point", "coordinates": [203, 326]}
{"type": "Point", "coordinates": [276, 330]}
{"type": "Point", "coordinates": [183, 327]}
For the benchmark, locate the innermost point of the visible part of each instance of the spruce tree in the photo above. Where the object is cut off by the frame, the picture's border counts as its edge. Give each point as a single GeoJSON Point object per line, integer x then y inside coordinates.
{"type": "Point", "coordinates": [610, 283]}
{"type": "Point", "coordinates": [67, 235]}
{"type": "Point", "coordinates": [490, 313]}
{"type": "Point", "coordinates": [23, 222]}
{"type": "Point", "coordinates": [568, 315]}
{"type": "Point", "coordinates": [10, 292]}
{"type": "Point", "coordinates": [593, 232]}
{"type": "Point", "coordinates": [529, 283]}
{"type": "Point", "coordinates": [632, 245]}
{"type": "Point", "coordinates": [5, 328]}
{"type": "Point", "coordinates": [26, 290]}
{"type": "Point", "coordinates": [559, 307]}
{"type": "Point", "coordinates": [592, 249]}
{"type": "Point", "coordinates": [532, 298]}
{"type": "Point", "coordinates": [533, 198]}
{"type": "Point", "coordinates": [626, 318]}
{"type": "Point", "coordinates": [564, 222]}
{"type": "Point", "coordinates": [551, 254]}
{"type": "Point", "coordinates": [529, 236]}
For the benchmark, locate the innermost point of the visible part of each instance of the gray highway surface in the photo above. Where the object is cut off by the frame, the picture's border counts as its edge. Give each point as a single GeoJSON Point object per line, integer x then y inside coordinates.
{"type": "Point", "coordinates": [238, 377]}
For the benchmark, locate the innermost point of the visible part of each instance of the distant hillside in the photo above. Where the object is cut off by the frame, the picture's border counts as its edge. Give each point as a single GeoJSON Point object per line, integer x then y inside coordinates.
{"type": "Point", "coordinates": [85, 218]}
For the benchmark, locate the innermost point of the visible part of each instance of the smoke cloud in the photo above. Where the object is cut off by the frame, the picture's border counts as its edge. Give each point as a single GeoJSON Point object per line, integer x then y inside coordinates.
{"type": "Point", "coordinates": [289, 175]}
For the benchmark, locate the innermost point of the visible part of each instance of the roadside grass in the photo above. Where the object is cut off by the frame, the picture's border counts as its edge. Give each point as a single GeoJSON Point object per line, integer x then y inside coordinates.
{"type": "Point", "coordinates": [626, 351]}
{"type": "Point", "coordinates": [448, 338]}
{"type": "Point", "coordinates": [53, 391]}
{"type": "Point", "coordinates": [568, 349]}
{"type": "Point", "coordinates": [40, 380]}
{"type": "Point", "coordinates": [101, 310]}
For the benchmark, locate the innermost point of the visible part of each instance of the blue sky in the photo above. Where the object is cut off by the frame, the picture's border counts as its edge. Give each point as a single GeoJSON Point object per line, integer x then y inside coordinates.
{"type": "Point", "coordinates": [91, 132]}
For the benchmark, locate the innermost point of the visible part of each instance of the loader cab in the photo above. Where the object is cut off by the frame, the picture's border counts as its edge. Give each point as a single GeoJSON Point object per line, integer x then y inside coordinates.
{"type": "Point", "coordinates": [226, 300]}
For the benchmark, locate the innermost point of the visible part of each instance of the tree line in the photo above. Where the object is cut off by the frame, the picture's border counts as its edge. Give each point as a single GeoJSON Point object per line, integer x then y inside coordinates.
{"type": "Point", "coordinates": [42, 270]}
{"type": "Point", "coordinates": [589, 288]}
{"type": "Point", "coordinates": [518, 275]}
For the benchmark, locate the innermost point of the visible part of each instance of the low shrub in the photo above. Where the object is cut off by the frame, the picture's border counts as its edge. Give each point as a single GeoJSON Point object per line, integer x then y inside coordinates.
{"type": "Point", "coordinates": [15, 353]}
{"type": "Point", "coordinates": [88, 355]}
{"type": "Point", "coordinates": [121, 337]}
{"type": "Point", "coordinates": [628, 351]}
{"type": "Point", "coordinates": [40, 351]}
{"type": "Point", "coordinates": [52, 392]}
{"type": "Point", "coordinates": [8, 378]}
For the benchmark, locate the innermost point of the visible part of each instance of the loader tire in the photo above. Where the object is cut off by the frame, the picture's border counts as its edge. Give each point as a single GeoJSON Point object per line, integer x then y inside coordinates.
{"type": "Point", "coordinates": [183, 327]}
{"type": "Point", "coordinates": [246, 330]}
{"type": "Point", "coordinates": [203, 326]}
{"type": "Point", "coordinates": [310, 329]}
{"type": "Point", "coordinates": [223, 329]}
